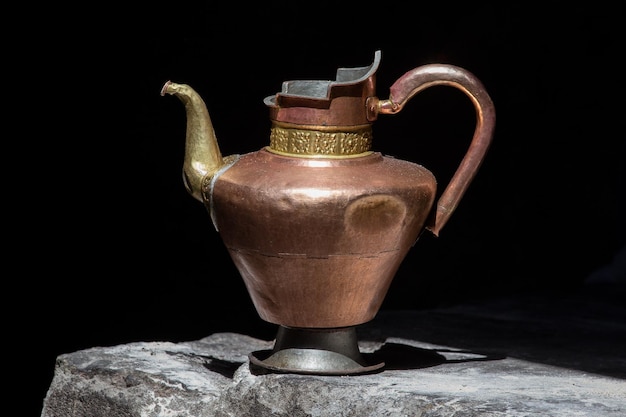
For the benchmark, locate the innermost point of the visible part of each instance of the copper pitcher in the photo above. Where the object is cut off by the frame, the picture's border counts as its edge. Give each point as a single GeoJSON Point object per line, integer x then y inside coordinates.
{"type": "Point", "coordinates": [318, 222]}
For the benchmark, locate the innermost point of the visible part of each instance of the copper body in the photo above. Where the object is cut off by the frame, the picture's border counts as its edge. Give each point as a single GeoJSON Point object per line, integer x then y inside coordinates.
{"type": "Point", "coordinates": [318, 241]}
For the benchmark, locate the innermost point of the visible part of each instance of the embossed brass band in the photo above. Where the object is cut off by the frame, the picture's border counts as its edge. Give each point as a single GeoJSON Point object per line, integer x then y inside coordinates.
{"type": "Point", "coordinates": [320, 141]}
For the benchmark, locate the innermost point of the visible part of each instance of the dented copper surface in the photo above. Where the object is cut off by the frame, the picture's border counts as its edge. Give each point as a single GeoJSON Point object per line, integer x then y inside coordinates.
{"type": "Point", "coordinates": [319, 243]}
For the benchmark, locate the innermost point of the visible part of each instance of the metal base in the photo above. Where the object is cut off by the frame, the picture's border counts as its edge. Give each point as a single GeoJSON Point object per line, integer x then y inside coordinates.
{"type": "Point", "coordinates": [314, 351]}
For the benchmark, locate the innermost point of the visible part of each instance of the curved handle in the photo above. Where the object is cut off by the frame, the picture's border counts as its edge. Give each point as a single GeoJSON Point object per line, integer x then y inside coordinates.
{"type": "Point", "coordinates": [429, 75]}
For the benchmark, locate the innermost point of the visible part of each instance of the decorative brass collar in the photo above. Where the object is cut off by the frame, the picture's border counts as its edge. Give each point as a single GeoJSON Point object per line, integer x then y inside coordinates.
{"type": "Point", "coordinates": [320, 141]}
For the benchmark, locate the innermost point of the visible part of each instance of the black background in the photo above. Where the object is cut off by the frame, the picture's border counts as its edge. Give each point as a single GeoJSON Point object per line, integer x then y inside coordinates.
{"type": "Point", "coordinates": [113, 248]}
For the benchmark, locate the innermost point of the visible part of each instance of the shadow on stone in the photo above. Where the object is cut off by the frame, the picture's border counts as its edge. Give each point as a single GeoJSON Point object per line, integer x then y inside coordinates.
{"type": "Point", "coordinates": [222, 367]}
{"type": "Point", "coordinates": [397, 356]}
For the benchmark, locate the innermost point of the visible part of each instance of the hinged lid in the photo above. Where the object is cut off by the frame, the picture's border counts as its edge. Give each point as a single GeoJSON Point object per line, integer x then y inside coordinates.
{"type": "Point", "coordinates": [341, 102]}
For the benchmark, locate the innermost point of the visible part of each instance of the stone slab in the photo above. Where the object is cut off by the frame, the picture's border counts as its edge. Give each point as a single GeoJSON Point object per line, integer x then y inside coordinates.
{"type": "Point", "coordinates": [515, 357]}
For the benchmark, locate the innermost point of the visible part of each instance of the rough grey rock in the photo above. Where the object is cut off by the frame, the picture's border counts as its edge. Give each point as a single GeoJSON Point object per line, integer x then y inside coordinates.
{"type": "Point", "coordinates": [546, 367]}
{"type": "Point", "coordinates": [148, 379]}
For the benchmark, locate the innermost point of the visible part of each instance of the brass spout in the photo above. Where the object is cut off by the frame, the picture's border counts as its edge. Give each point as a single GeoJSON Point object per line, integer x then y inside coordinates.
{"type": "Point", "coordinates": [202, 154]}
